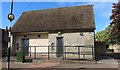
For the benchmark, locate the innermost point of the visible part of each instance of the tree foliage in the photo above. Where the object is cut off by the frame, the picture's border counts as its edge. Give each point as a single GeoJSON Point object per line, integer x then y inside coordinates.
{"type": "Point", "coordinates": [111, 35]}
{"type": "Point", "coordinates": [115, 17]}
{"type": "Point", "coordinates": [104, 35]}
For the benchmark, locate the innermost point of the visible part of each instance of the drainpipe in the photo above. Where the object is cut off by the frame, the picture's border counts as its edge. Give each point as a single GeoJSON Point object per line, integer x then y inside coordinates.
{"type": "Point", "coordinates": [94, 52]}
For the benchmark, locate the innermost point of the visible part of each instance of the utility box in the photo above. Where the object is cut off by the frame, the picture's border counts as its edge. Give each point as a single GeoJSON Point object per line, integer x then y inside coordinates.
{"type": "Point", "coordinates": [20, 57]}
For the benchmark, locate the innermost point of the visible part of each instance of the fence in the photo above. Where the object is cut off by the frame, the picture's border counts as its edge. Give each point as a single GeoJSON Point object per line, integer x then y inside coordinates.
{"type": "Point", "coordinates": [69, 52]}
{"type": "Point", "coordinates": [79, 52]}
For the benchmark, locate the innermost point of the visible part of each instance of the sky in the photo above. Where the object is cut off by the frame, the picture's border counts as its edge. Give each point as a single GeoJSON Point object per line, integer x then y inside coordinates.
{"type": "Point", "coordinates": [102, 10]}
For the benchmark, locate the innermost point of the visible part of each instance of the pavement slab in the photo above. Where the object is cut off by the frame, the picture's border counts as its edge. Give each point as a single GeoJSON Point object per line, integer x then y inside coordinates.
{"type": "Point", "coordinates": [110, 64]}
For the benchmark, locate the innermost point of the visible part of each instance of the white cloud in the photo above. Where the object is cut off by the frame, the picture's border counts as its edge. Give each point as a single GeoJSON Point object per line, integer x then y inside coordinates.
{"type": "Point", "coordinates": [102, 14]}
{"type": "Point", "coordinates": [101, 8]}
{"type": "Point", "coordinates": [60, 0]}
{"type": "Point", "coordinates": [106, 14]}
{"type": "Point", "coordinates": [101, 5]}
{"type": "Point", "coordinates": [104, 9]}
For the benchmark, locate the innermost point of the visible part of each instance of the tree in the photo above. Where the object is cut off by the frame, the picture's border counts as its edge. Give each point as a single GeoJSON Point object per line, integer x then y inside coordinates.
{"type": "Point", "coordinates": [115, 17]}
{"type": "Point", "coordinates": [104, 35]}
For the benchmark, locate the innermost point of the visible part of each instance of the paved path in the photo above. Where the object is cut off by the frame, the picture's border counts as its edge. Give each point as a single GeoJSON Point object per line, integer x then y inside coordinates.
{"type": "Point", "coordinates": [104, 63]}
{"type": "Point", "coordinates": [0, 63]}
{"type": "Point", "coordinates": [108, 61]}
{"type": "Point", "coordinates": [100, 64]}
{"type": "Point", "coordinates": [57, 66]}
{"type": "Point", "coordinates": [42, 65]}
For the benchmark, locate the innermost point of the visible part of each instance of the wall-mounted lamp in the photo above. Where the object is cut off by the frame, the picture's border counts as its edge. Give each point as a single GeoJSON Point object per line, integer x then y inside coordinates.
{"type": "Point", "coordinates": [81, 34]}
{"type": "Point", "coordinates": [39, 35]}
{"type": "Point", "coordinates": [59, 33]}
{"type": "Point", "coordinates": [52, 46]}
{"type": "Point", "coordinates": [25, 36]}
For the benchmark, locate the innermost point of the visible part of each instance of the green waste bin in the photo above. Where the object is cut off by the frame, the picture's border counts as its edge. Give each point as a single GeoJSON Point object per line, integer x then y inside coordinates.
{"type": "Point", "coordinates": [20, 57]}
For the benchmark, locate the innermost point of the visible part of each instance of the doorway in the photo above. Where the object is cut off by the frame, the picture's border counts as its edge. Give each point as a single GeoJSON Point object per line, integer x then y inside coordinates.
{"type": "Point", "coordinates": [59, 48]}
{"type": "Point", "coordinates": [25, 46]}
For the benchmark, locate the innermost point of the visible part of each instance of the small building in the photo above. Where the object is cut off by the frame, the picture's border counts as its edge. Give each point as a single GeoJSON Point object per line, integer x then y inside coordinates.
{"type": "Point", "coordinates": [3, 42]}
{"type": "Point", "coordinates": [66, 32]}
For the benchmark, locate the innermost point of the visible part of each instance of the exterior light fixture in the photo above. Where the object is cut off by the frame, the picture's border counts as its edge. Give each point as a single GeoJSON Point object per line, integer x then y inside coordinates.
{"type": "Point", "coordinates": [39, 35]}
{"type": "Point", "coordinates": [52, 46]}
{"type": "Point", "coordinates": [59, 33]}
{"type": "Point", "coordinates": [11, 17]}
{"type": "Point", "coordinates": [81, 34]}
{"type": "Point", "coordinates": [25, 36]}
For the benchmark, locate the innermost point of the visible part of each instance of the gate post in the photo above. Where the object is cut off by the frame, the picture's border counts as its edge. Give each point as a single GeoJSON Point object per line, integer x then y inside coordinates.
{"type": "Point", "coordinates": [30, 51]}
{"type": "Point", "coordinates": [65, 52]}
{"type": "Point", "coordinates": [48, 53]}
{"type": "Point", "coordinates": [35, 52]}
{"type": "Point", "coordinates": [78, 52]}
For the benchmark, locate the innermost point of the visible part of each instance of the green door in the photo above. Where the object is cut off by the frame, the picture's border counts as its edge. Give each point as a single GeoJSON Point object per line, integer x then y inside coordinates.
{"type": "Point", "coordinates": [59, 50]}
